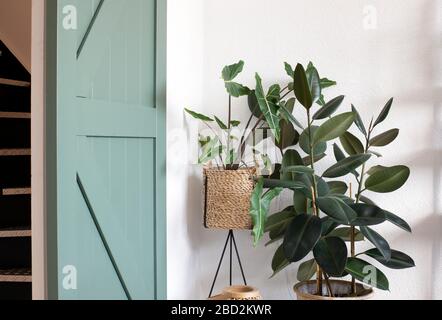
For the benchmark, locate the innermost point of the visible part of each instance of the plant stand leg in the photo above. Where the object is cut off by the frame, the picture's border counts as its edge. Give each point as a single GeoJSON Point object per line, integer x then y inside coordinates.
{"type": "Point", "coordinates": [232, 245]}
{"type": "Point", "coordinates": [239, 259]}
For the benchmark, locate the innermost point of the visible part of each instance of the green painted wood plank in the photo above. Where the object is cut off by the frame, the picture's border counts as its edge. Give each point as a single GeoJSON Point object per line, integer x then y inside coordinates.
{"type": "Point", "coordinates": [112, 230]}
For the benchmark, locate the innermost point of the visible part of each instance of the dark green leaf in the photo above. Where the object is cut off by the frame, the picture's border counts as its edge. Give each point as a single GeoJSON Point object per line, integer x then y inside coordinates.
{"type": "Point", "coordinates": [277, 220]}
{"type": "Point", "coordinates": [326, 83]}
{"type": "Point", "coordinates": [378, 241]}
{"type": "Point", "coordinates": [394, 219]}
{"type": "Point", "coordinates": [290, 105]}
{"type": "Point", "coordinates": [346, 166]}
{"type": "Point", "coordinates": [199, 116]}
{"type": "Point", "coordinates": [307, 270]}
{"type": "Point", "coordinates": [274, 93]}
{"type": "Point", "coordinates": [337, 209]}
{"type": "Point", "coordinates": [232, 71]}
{"type": "Point", "coordinates": [375, 169]}
{"type": "Point", "coordinates": [384, 113]}
{"type": "Point", "coordinates": [289, 136]}
{"type": "Point", "coordinates": [275, 183]}
{"type": "Point", "coordinates": [314, 82]}
{"type": "Point", "coordinates": [301, 203]}
{"type": "Point", "coordinates": [298, 169]}
{"type": "Point", "coordinates": [221, 124]}
{"type": "Point", "coordinates": [279, 261]}
{"type": "Point", "coordinates": [288, 115]}
{"type": "Point", "coordinates": [377, 154]}
{"type": "Point", "coordinates": [344, 198]}
{"type": "Point", "coordinates": [328, 225]}
{"type": "Point", "coordinates": [321, 185]}
{"type": "Point", "coordinates": [388, 179]}
{"type": "Point", "coordinates": [339, 154]}
{"type": "Point", "coordinates": [334, 127]}
{"type": "Point", "coordinates": [301, 236]}
{"type": "Point", "coordinates": [358, 121]}
{"type": "Point", "coordinates": [254, 105]}
{"type": "Point", "coordinates": [345, 234]}
{"type": "Point", "coordinates": [398, 260]}
{"type": "Point", "coordinates": [329, 108]}
{"type": "Point", "coordinates": [366, 200]}
{"type": "Point", "coordinates": [302, 89]}
{"type": "Point", "coordinates": [268, 108]}
{"type": "Point", "coordinates": [321, 100]}
{"type": "Point", "coordinates": [237, 90]}
{"type": "Point", "coordinates": [351, 144]}
{"type": "Point", "coordinates": [259, 208]}
{"type": "Point", "coordinates": [337, 187]}
{"type": "Point", "coordinates": [291, 158]}
{"type": "Point", "coordinates": [308, 161]}
{"type": "Point", "coordinates": [235, 123]}
{"type": "Point", "coordinates": [304, 142]}
{"type": "Point", "coordinates": [276, 235]}
{"type": "Point", "coordinates": [331, 255]}
{"type": "Point", "coordinates": [367, 215]}
{"type": "Point", "coordinates": [367, 273]}
{"type": "Point", "coordinates": [385, 138]}
{"type": "Point", "coordinates": [289, 70]}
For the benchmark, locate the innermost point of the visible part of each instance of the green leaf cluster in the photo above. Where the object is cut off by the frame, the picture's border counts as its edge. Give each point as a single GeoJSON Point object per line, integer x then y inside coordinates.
{"type": "Point", "coordinates": [324, 219]}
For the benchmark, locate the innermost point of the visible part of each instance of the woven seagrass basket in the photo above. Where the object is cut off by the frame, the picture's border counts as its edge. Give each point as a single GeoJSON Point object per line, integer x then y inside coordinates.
{"type": "Point", "coordinates": [238, 293]}
{"type": "Point", "coordinates": [227, 198]}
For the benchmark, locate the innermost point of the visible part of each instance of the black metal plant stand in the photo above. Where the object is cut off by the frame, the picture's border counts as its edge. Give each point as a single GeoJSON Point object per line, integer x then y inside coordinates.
{"type": "Point", "coordinates": [232, 244]}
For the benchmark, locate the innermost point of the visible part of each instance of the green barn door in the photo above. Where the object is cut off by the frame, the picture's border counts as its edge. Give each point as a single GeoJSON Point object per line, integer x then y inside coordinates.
{"type": "Point", "coordinates": [110, 150]}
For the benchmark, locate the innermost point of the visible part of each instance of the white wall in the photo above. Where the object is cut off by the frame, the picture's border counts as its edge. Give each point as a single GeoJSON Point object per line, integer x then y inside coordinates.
{"type": "Point", "coordinates": [400, 58]}
{"type": "Point", "coordinates": [15, 28]}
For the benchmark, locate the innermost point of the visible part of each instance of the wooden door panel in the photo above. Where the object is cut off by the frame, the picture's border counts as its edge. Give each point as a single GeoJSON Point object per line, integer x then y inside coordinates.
{"type": "Point", "coordinates": [116, 59]}
{"type": "Point", "coordinates": [110, 152]}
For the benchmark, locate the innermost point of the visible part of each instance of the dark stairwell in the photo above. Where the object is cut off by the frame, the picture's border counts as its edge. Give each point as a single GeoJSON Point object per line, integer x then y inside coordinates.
{"type": "Point", "coordinates": [15, 178]}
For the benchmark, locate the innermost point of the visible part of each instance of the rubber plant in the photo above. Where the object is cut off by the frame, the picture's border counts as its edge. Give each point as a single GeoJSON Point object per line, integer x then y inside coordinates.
{"type": "Point", "coordinates": [327, 215]}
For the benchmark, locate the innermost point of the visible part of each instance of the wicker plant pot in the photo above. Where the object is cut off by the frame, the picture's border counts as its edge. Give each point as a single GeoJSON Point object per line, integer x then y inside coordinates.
{"type": "Point", "coordinates": [341, 289]}
{"type": "Point", "coordinates": [227, 198]}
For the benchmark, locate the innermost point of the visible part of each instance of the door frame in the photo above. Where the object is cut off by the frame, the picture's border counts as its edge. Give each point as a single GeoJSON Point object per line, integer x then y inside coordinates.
{"type": "Point", "coordinates": [44, 137]}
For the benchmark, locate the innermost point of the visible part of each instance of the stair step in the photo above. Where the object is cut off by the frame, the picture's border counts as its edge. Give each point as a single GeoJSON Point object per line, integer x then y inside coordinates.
{"type": "Point", "coordinates": [16, 191]}
{"type": "Point", "coordinates": [14, 152]}
{"type": "Point", "coordinates": [15, 115]}
{"type": "Point", "coordinates": [14, 83]}
{"type": "Point", "coordinates": [16, 275]}
{"type": "Point", "coordinates": [15, 233]}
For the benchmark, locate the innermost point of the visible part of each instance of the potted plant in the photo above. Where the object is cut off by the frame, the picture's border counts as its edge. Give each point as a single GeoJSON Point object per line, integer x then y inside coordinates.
{"type": "Point", "coordinates": [327, 213]}
{"type": "Point", "coordinates": [228, 176]}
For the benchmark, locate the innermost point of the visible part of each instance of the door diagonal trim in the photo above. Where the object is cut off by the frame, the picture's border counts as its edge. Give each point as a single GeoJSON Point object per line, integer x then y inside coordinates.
{"type": "Point", "coordinates": [102, 237]}
{"type": "Point", "coordinates": [89, 28]}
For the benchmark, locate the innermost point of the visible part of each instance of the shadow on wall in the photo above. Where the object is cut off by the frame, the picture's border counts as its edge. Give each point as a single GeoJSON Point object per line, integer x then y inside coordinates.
{"type": "Point", "coordinates": [429, 230]}
{"type": "Point", "coordinates": [433, 158]}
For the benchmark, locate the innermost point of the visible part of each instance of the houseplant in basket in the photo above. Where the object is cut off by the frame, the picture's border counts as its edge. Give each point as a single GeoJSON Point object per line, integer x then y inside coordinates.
{"type": "Point", "coordinates": [328, 215]}
{"type": "Point", "coordinates": [228, 175]}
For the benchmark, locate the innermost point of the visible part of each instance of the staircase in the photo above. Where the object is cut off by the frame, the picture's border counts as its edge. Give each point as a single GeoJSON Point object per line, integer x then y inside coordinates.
{"type": "Point", "coordinates": [15, 179]}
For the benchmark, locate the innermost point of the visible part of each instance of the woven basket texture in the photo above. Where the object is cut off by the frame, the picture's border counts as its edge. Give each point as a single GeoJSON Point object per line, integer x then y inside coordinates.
{"type": "Point", "coordinates": [227, 198]}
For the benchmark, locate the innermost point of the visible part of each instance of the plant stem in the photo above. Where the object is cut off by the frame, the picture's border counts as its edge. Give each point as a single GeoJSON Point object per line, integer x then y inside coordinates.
{"type": "Point", "coordinates": [314, 197]}
{"type": "Point", "coordinates": [358, 199]}
{"type": "Point", "coordinates": [229, 119]}
{"type": "Point", "coordinates": [285, 95]}
{"type": "Point", "coordinates": [241, 150]}
{"type": "Point", "coordinates": [329, 287]}
{"type": "Point", "coordinates": [244, 141]}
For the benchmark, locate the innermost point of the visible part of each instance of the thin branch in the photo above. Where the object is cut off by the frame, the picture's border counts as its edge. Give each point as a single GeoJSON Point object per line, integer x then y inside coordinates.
{"type": "Point", "coordinates": [242, 144]}
{"type": "Point", "coordinates": [285, 95]}
{"type": "Point", "coordinates": [329, 287]}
